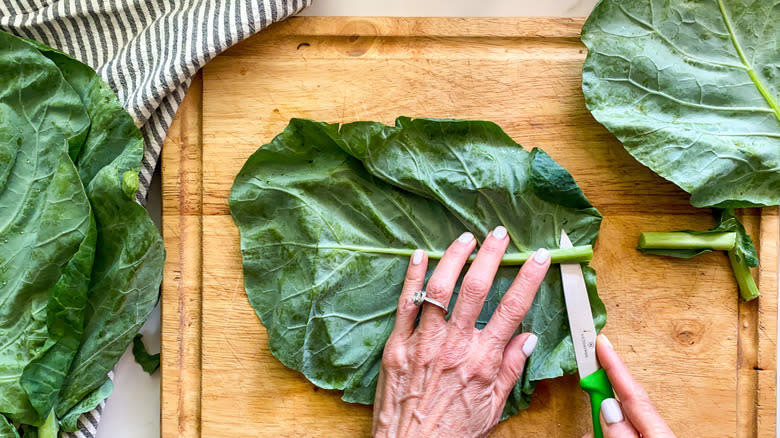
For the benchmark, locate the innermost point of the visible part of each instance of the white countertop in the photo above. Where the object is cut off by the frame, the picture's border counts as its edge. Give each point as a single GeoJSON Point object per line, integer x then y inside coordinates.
{"type": "Point", "coordinates": [133, 410]}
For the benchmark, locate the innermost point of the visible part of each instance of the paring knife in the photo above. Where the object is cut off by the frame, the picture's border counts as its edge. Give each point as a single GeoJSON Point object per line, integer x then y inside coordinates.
{"type": "Point", "coordinates": [593, 378]}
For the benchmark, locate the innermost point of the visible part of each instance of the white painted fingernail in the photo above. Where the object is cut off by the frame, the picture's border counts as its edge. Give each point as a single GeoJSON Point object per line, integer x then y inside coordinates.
{"type": "Point", "coordinates": [541, 255]}
{"type": "Point", "coordinates": [603, 339]}
{"type": "Point", "coordinates": [466, 237]}
{"type": "Point", "coordinates": [610, 410]}
{"type": "Point", "coordinates": [499, 232]}
{"type": "Point", "coordinates": [417, 256]}
{"type": "Point", "coordinates": [530, 345]}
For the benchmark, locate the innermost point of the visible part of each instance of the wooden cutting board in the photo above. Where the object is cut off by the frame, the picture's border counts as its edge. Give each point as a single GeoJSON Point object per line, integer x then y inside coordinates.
{"type": "Point", "coordinates": [706, 358]}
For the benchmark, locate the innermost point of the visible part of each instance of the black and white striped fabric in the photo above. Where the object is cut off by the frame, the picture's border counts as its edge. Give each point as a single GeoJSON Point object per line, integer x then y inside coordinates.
{"type": "Point", "coordinates": [147, 51]}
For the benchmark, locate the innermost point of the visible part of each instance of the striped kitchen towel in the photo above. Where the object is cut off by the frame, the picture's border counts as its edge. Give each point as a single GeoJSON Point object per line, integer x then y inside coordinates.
{"type": "Point", "coordinates": [147, 51]}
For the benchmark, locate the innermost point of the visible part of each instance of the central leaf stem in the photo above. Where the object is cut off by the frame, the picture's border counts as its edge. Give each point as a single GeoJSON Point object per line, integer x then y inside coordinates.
{"type": "Point", "coordinates": [577, 254]}
{"type": "Point", "coordinates": [50, 427]}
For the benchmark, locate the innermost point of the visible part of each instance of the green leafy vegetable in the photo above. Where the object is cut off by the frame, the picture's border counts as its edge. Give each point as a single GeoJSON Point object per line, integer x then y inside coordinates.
{"type": "Point", "coordinates": [80, 261]}
{"type": "Point", "coordinates": [328, 216]}
{"type": "Point", "coordinates": [691, 89]}
{"type": "Point", "coordinates": [729, 235]}
{"type": "Point", "coordinates": [149, 362]}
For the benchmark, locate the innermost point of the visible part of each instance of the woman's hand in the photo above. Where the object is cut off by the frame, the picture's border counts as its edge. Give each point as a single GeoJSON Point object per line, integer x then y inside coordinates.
{"type": "Point", "coordinates": [447, 378]}
{"type": "Point", "coordinates": [635, 414]}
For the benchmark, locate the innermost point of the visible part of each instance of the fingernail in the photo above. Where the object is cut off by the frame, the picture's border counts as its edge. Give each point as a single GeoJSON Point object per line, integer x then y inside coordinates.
{"type": "Point", "coordinates": [466, 237]}
{"type": "Point", "coordinates": [603, 339]}
{"type": "Point", "coordinates": [499, 232]}
{"type": "Point", "coordinates": [417, 256]}
{"type": "Point", "coordinates": [530, 345]}
{"type": "Point", "coordinates": [541, 255]}
{"type": "Point", "coordinates": [610, 410]}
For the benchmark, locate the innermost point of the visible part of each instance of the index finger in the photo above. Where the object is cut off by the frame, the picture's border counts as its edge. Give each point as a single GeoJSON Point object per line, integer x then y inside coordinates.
{"type": "Point", "coordinates": [518, 298]}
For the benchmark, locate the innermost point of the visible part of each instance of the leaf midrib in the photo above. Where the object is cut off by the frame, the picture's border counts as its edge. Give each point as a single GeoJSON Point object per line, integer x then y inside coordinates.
{"type": "Point", "coordinates": [751, 73]}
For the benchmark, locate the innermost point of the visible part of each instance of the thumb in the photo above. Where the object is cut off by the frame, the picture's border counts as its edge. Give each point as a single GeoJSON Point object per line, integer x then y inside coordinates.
{"type": "Point", "coordinates": [613, 423]}
{"type": "Point", "coordinates": [515, 354]}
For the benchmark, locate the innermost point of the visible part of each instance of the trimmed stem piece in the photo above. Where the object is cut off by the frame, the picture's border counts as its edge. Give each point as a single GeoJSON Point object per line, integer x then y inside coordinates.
{"type": "Point", "coordinates": [747, 285]}
{"type": "Point", "coordinates": [683, 240]}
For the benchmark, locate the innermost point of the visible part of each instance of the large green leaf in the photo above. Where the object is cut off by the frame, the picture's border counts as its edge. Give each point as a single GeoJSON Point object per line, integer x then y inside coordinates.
{"type": "Point", "coordinates": [80, 260]}
{"type": "Point", "coordinates": [691, 89]}
{"type": "Point", "coordinates": [43, 377]}
{"type": "Point", "coordinates": [44, 212]}
{"type": "Point", "coordinates": [127, 272]}
{"type": "Point", "coordinates": [328, 217]}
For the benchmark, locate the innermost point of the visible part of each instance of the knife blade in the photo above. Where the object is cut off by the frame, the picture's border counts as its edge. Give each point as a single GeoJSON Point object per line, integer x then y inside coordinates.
{"type": "Point", "coordinates": [583, 331]}
{"type": "Point", "coordinates": [593, 379]}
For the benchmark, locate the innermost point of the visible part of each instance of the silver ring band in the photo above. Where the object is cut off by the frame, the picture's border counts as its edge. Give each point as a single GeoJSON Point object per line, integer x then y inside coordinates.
{"type": "Point", "coordinates": [420, 297]}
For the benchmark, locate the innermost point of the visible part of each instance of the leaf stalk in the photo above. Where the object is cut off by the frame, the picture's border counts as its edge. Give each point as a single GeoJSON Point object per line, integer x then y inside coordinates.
{"type": "Point", "coordinates": [723, 241]}
{"type": "Point", "coordinates": [684, 240]}
{"type": "Point", "coordinates": [747, 285]}
{"type": "Point", "coordinates": [50, 428]}
{"type": "Point", "coordinates": [577, 254]}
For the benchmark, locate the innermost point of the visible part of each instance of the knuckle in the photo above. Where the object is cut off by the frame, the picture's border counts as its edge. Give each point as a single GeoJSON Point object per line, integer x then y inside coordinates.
{"type": "Point", "coordinates": [423, 355]}
{"type": "Point", "coordinates": [526, 282]}
{"type": "Point", "coordinates": [514, 306]}
{"type": "Point", "coordinates": [494, 339]}
{"type": "Point", "coordinates": [491, 248]}
{"type": "Point", "coordinates": [497, 337]}
{"type": "Point", "coordinates": [451, 357]}
{"type": "Point", "coordinates": [637, 397]}
{"type": "Point", "coordinates": [461, 326]}
{"type": "Point", "coordinates": [436, 290]}
{"type": "Point", "coordinates": [486, 366]}
{"type": "Point", "coordinates": [470, 300]}
{"type": "Point", "coordinates": [394, 356]}
{"type": "Point", "coordinates": [405, 304]}
{"type": "Point", "coordinates": [457, 249]}
{"type": "Point", "coordinates": [474, 285]}
{"type": "Point", "coordinates": [406, 309]}
{"type": "Point", "coordinates": [414, 276]}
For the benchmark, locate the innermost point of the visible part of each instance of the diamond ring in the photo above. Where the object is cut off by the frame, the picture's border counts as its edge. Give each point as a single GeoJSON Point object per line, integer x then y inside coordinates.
{"type": "Point", "coordinates": [419, 298]}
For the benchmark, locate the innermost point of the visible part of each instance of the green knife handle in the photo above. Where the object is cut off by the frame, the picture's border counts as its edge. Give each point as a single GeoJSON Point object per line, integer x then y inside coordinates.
{"type": "Point", "coordinates": [599, 389]}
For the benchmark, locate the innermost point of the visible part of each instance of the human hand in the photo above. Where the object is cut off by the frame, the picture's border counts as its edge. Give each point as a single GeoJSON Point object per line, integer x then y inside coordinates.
{"type": "Point", "coordinates": [641, 418]}
{"type": "Point", "coordinates": [447, 378]}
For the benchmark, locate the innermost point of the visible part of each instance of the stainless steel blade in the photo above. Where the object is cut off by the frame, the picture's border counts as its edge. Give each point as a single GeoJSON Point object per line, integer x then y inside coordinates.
{"type": "Point", "coordinates": [583, 332]}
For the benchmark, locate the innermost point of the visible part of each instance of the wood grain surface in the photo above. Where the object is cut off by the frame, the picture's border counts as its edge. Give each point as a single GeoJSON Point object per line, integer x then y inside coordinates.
{"type": "Point", "coordinates": [706, 358]}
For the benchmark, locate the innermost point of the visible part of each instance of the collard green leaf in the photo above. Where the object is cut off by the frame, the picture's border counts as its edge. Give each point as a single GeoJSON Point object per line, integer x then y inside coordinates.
{"type": "Point", "coordinates": [744, 245]}
{"type": "Point", "coordinates": [44, 212]}
{"type": "Point", "coordinates": [149, 362]}
{"type": "Point", "coordinates": [127, 272]}
{"type": "Point", "coordinates": [80, 260]}
{"type": "Point", "coordinates": [691, 89]}
{"type": "Point", "coordinates": [328, 217]}
{"type": "Point", "coordinates": [43, 378]}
